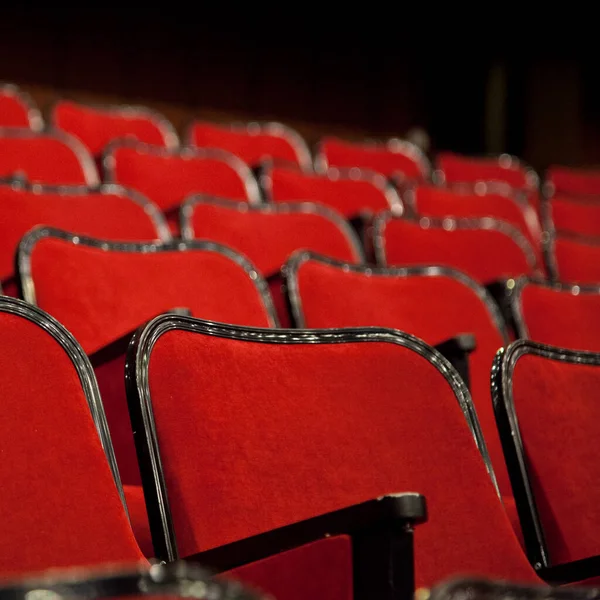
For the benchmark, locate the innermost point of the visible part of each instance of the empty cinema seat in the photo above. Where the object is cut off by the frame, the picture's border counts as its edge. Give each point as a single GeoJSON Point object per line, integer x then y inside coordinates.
{"type": "Point", "coordinates": [97, 126]}
{"type": "Point", "coordinates": [550, 447]}
{"type": "Point", "coordinates": [268, 235]}
{"type": "Point", "coordinates": [434, 303]}
{"type": "Point", "coordinates": [17, 109]}
{"type": "Point", "coordinates": [572, 182]}
{"type": "Point", "coordinates": [108, 212]}
{"type": "Point", "coordinates": [351, 192]}
{"type": "Point", "coordinates": [395, 158]}
{"type": "Point", "coordinates": [60, 503]}
{"type": "Point", "coordinates": [486, 249]}
{"type": "Point", "coordinates": [558, 315]}
{"type": "Point", "coordinates": [52, 158]}
{"type": "Point", "coordinates": [328, 435]}
{"type": "Point", "coordinates": [253, 142]}
{"type": "Point", "coordinates": [104, 290]}
{"type": "Point", "coordinates": [573, 259]}
{"type": "Point", "coordinates": [168, 177]}
{"type": "Point", "coordinates": [576, 215]}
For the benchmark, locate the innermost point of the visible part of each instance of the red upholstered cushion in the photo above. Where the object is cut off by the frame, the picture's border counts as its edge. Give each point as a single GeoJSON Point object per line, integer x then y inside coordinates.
{"type": "Point", "coordinates": [577, 260]}
{"type": "Point", "coordinates": [485, 254]}
{"type": "Point", "coordinates": [111, 216]}
{"type": "Point", "coordinates": [560, 318]}
{"type": "Point", "coordinates": [252, 143]}
{"type": "Point", "coordinates": [574, 181]}
{"type": "Point", "coordinates": [318, 571]}
{"type": "Point", "coordinates": [458, 169]}
{"type": "Point", "coordinates": [269, 236]}
{"type": "Point", "coordinates": [59, 502]}
{"type": "Point", "coordinates": [347, 422]}
{"type": "Point", "coordinates": [14, 112]}
{"type": "Point", "coordinates": [560, 441]}
{"type": "Point", "coordinates": [136, 506]}
{"type": "Point", "coordinates": [95, 127]}
{"type": "Point", "coordinates": [45, 158]}
{"type": "Point", "coordinates": [350, 196]}
{"type": "Point", "coordinates": [434, 308]}
{"type": "Point", "coordinates": [404, 159]}
{"type": "Point", "coordinates": [168, 178]}
{"type": "Point", "coordinates": [571, 215]}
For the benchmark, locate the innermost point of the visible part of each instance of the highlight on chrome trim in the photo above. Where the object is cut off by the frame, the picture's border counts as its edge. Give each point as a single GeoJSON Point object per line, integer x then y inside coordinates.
{"type": "Point", "coordinates": [549, 250]}
{"type": "Point", "coordinates": [451, 224]}
{"type": "Point", "coordinates": [139, 397]}
{"type": "Point", "coordinates": [353, 174]}
{"type": "Point", "coordinates": [127, 111]}
{"type": "Point", "coordinates": [36, 121]}
{"type": "Point", "coordinates": [28, 242]}
{"type": "Point", "coordinates": [85, 159]}
{"type": "Point", "coordinates": [393, 144]}
{"type": "Point", "coordinates": [512, 442]}
{"type": "Point", "coordinates": [154, 213]}
{"type": "Point", "coordinates": [84, 370]}
{"type": "Point", "coordinates": [293, 265]}
{"type": "Point", "coordinates": [271, 128]}
{"type": "Point", "coordinates": [516, 298]}
{"type": "Point", "coordinates": [186, 153]}
{"type": "Point", "coordinates": [187, 212]}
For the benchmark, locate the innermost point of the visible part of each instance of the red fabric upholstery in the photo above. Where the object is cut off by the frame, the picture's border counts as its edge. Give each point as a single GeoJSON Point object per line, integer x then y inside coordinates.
{"type": "Point", "coordinates": [59, 502]}
{"type": "Point", "coordinates": [108, 216]}
{"type": "Point", "coordinates": [434, 308]}
{"type": "Point", "coordinates": [136, 506]}
{"type": "Point", "coordinates": [559, 318]}
{"type": "Point", "coordinates": [574, 181]}
{"type": "Point", "coordinates": [268, 237]}
{"type": "Point", "coordinates": [484, 254]}
{"type": "Point", "coordinates": [13, 111]}
{"type": "Point", "coordinates": [252, 145]}
{"type": "Point", "coordinates": [280, 301]}
{"type": "Point", "coordinates": [381, 159]}
{"type": "Point", "coordinates": [578, 261]}
{"type": "Point", "coordinates": [459, 169]}
{"type": "Point", "coordinates": [349, 196]}
{"type": "Point", "coordinates": [560, 446]}
{"type": "Point", "coordinates": [169, 178]}
{"type": "Point", "coordinates": [44, 158]}
{"type": "Point", "coordinates": [575, 216]}
{"type": "Point", "coordinates": [318, 571]}
{"type": "Point", "coordinates": [96, 127]}
{"type": "Point", "coordinates": [329, 434]}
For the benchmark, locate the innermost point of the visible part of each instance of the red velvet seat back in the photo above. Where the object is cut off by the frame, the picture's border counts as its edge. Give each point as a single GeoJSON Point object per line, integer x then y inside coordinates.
{"type": "Point", "coordinates": [59, 501]}
{"type": "Point", "coordinates": [485, 249]}
{"type": "Point", "coordinates": [568, 214]}
{"type": "Point", "coordinates": [49, 158]}
{"type": "Point", "coordinates": [350, 195]}
{"type": "Point", "coordinates": [253, 142]}
{"type": "Point", "coordinates": [396, 158]}
{"type": "Point", "coordinates": [558, 316]}
{"type": "Point", "coordinates": [430, 304]}
{"type": "Point", "coordinates": [578, 182]}
{"type": "Point", "coordinates": [559, 442]}
{"type": "Point", "coordinates": [327, 435]}
{"type": "Point", "coordinates": [17, 109]}
{"type": "Point", "coordinates": [110, 213]}
{"type": "Point", "coordinates": [95, 127]}
{"type": "Point", "coordinates": [269, 235]}
{"type": "Point", "coordinates": [575, 259]}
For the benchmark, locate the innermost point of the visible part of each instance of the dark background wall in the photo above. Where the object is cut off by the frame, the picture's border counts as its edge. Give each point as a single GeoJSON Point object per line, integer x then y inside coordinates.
{"type": "Point", "coordinates": [348, 81]}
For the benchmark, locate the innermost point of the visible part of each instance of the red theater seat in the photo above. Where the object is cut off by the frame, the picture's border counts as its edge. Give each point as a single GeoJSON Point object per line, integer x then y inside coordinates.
{"type": "Point", "coordinates": [167, 178]}
{"type": "Point", "coordinates": [397, 158]}
{"type": "Point", "coordinates": [253, 142]}
{"type": "Point", "coordinates": [433, 303]}
{"type": "Point", "coordinates": [326, 420]}
{"type": "Point", "coordinates": [52, 158]}
{"type": "Point", "coordinates": [268, 235]}
{"type": "Point", "coordinates": [105, 290]}
{"type": "Point", "coordinates": [558, 315]}
{"type": "Point", "coordinates": [17, 109]}
{"type": "Point", "coordinates": [574, 259]}
{"type": "Point", "coordinates": [573, 215]}
{"type": "Point", "coordinates": [485, 249]}
{"type": "Point", "coordinates": [96, 126]}
{"type": "Point", "coordinates": [350, 192]}
{"type": "Point", "coordinates": [575, 182]}
{"type": "Point", "coordinates": [546, 401]}
{"type": "Point", "coordinates": [109, 212]}
{"type": "Point", "coordinates": [59, 501]}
